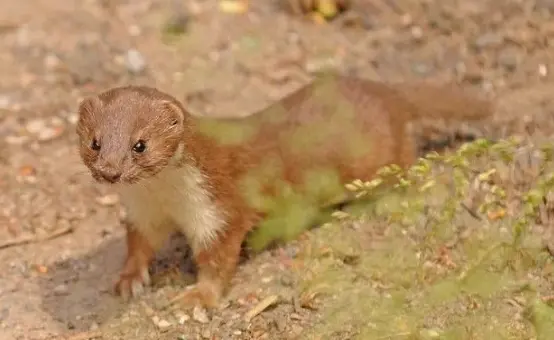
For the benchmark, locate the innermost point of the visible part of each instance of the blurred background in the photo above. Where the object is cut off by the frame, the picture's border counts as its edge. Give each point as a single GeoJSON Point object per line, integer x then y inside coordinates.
{"type": "Point", "coordinates": [59, 233]}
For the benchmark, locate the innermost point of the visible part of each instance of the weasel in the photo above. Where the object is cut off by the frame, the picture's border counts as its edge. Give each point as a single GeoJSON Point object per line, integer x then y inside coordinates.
{"type": "Point", "coordinates": [176, 171]}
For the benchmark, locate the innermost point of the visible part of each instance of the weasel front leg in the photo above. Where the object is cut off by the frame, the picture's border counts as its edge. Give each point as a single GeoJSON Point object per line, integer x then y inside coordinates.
{"type": "Point", "coordinates": [141, 248]}
{"type": "Point", "coordinates": [216, 264]}
{"type": "Point", "coordinates": [134, 275]}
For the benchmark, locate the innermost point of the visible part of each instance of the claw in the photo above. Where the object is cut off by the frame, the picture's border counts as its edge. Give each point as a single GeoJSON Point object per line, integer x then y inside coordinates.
{"type": "Point", "coordinates": [132, 285]}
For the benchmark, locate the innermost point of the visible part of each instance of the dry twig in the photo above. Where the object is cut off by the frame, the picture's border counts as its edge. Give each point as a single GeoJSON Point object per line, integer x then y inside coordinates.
{"type": "Point", "coordinates": [260, 307]}
{"type": "Point", "coordinates": [34, 239]}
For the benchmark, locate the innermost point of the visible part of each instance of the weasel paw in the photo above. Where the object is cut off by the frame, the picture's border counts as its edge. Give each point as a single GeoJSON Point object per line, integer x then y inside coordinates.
{"type": "Point", "coordinates": [197, 295]}
{"type": "Point", "coordinates": [132, 284]}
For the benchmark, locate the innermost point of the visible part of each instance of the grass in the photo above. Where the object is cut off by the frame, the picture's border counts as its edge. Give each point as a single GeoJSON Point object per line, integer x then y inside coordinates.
{"type": "Point", "coordinates": [452, 252]}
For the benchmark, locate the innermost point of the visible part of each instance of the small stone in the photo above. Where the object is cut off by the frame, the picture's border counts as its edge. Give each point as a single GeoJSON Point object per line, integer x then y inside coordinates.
{"type": "Point", "coordinates": [470, 73]}
{"type": "Point", "coordinates": [49, 133]}
{"type": "Point", "coordinates": [287, 280]}
{"type": "Point", "coordinates": [280, 324]}
{"type": "Point", "coordinates": [181, 317]}
{"type": "Point", "coordinates": [135, 61]}
{"type": "Point", "coordinates": [134, 30]}
{"type": "Point", "coordinates": [508, 59]}
{"type": "Point", "coordinates": [163, 324]}
{"type": "Point", "coordinates": [296, 330]}
{"type": "Point", "coordinates": [237, 332]}
{"type": "Point", "coordinates": [406, 20]}
{"type": "Point", "coordinates": [16, 140]}
{"type": "Point", "coordinates": [52, 61]}
{"type": "Point", "coordinates": [199, 314]}
{"type": "Point", "coordinates": [94, 326]}
{"type": "Point", "coordinates": [318, 65]}
{"type": "Point", "coordinates": [543, 70]}
{"type": "Point", "coordinates": [547, 5]}
{"type": "Point", "coordinates": [488, 40]}
{"type": "Point", "coordinates": [61, 290]}
{"type": "Point", "coordinates": [417, 32]}
{"type": "Point", "coordinates": [22, 37]}
{"type": "Point", "coordinates": [295, 316]}
{"type": "Point", "coordinates": [108, 200]}
{"type": "Point", "coordinates": [73, 118]}
{"type": "Point", "coordinates": [5, 102]}
{"type": "Point", "coordinates": [206, 334]}
{"type": "Point", "coordinates": [35, 126]}
{"type": "Point", "coordinates": [422, 68]}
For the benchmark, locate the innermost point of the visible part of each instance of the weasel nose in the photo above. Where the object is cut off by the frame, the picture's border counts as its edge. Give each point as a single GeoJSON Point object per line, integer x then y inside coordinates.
{"type": "Point", "coordinates": [111, 176]}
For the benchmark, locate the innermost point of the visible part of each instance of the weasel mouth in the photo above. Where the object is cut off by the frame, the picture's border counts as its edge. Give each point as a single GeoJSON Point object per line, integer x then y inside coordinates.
{"type": "Point", "coordinates": [107, 178]}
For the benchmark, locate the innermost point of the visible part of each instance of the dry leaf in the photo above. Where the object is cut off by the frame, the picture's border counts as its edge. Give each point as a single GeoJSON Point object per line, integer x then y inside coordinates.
{"type": "Point", "coordinates": [317, 18]}
{"type": "Point", "coordinates": [496, 215]}
{"type": "Point", "coordinates": [327, 8]}
{"type": "Point", "coordinates": [233, 6]}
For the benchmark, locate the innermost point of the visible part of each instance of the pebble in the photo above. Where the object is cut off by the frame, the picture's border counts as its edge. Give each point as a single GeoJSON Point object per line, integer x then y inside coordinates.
{"type": "Point", "coordinates": [61, 290]}
{"type": "Point", "coordinates": [5, 102]}
{"type": "Point", "coordinates": [206, 334]}
{"type": "Point", "coordinates": [422, 68]}
{"type": "Point", "coordinates": [163, 324]}
{"type": "Point", "coordinates": [543, 70]}
{"type": "Point", "coordinates": [42, 131]}
{"type": "Point", "coordinates": [471, 73]}
{"type": "Point", "coordinates": [199, 314]}
{"type": "Point", "coordinates": [16, 140]}
{"type": "Point", "coordinates": [108, 200]}
{"type": "Point", "coordinates": [134, 30]}
{"type": "Point", "coordinates": [134, 61]}
{"type": "Point", "coordinates": [22, 37]}
{"type": "Point", "coordinates": [73, 118]}
{"type": "Point", "coordinates": [49, 133]}
{"type": "Point", "coordinates": [34, 126]}
{"type": "Point", "coordinates": [321, 64]}
{"type": "Point", "coordinates": [296, 330]}
{"type": "Point", "coordinates": [545, 5]}
{"type": "Point", "coordinates": [280, 324]}
{"type": "Point", "coordinates": [508, 59]}
{"type": "Point", "coordinates": [52, 61]}
{"type": "Point", "coordinates": [160, 323]}
{"type": "Point", "coordinates": [417, 33]}
{"type": "Point", "coordinates": [295, 316]}
{"type": "Point", "coordinates": [181, 317]}
{"type": "Point", "coordinates": [287, 280]}
{"type": "Point", "coordinates": [488, 40]}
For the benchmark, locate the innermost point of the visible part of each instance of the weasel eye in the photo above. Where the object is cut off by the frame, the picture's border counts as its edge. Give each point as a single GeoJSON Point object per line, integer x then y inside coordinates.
{"type": "Point", "coordinates": [139, 147]}
{"type": "Point", "coordinates": [95, 145]}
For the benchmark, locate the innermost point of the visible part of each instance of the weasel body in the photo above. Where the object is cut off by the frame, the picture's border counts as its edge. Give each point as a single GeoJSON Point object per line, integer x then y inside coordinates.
{"type": "Point", "coordinates": [208, 177]}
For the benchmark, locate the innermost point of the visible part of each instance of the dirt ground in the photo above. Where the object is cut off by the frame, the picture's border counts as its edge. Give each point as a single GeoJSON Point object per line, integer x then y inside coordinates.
{"type": "Point", "coordinates": [54, 52]}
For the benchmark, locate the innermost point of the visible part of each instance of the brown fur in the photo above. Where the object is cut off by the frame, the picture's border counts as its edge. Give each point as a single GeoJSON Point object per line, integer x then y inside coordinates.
{"type": "Point", "coordinates": [366, 127]}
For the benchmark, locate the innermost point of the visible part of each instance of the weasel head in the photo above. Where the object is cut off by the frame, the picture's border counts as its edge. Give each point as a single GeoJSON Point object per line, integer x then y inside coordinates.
{"type": "Point", "coordinates": [128, 134]}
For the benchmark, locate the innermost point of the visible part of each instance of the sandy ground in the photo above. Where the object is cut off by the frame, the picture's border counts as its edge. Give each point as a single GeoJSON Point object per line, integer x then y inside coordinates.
{"type": "Point", "coordinates": [54, 52]}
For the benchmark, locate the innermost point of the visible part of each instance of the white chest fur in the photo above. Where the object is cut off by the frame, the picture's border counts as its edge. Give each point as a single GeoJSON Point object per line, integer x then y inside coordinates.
{"type": "Point", "coordinates": [174, 199]}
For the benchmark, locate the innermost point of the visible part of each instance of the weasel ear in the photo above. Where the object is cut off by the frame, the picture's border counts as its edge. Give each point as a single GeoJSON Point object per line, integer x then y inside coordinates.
{"type": "Point", "coordinates": [176, 111]}
{"type": "Point", "coordinates": [88, 106]}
